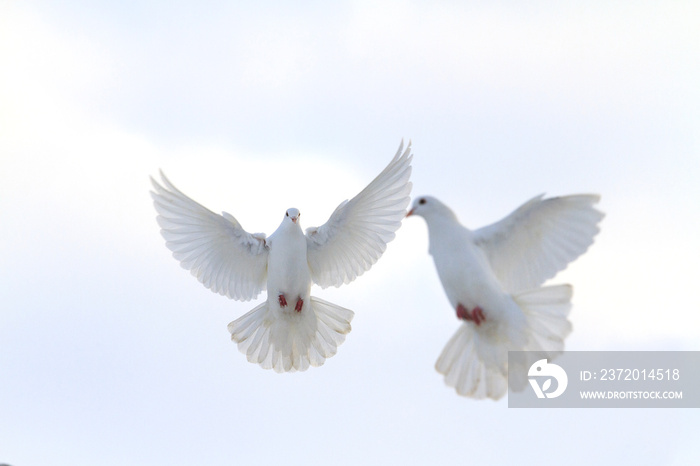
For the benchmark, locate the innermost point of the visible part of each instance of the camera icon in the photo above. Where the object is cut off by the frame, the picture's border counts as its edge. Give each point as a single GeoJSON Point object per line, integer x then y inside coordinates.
{"type": "Point", "coordinates": [541, 369]}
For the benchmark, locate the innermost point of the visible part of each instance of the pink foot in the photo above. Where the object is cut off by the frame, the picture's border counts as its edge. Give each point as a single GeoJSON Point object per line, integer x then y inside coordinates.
{"type": "Point", "coordinates": [476, 315]}
{"type": "Point", "coordinates": [300, 303]}
{"type": "Point", "coordinates": [462, 313]}
{"type": "Point", "coordinates": [283, 300]}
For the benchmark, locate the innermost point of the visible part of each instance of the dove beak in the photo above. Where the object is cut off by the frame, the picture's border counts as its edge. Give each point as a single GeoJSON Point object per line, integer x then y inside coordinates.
{"type": "Point", "coordinates": [294, 219]}
{"type": "Point", "coordinates": [410, 212]}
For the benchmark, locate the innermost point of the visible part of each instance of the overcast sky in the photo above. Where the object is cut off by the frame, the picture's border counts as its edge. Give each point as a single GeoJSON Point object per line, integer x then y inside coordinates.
{"type": "Point", "coordinates": [112, 354]}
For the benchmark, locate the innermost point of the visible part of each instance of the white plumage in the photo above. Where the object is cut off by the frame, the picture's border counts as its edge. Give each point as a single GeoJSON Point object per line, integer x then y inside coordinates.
{"type": "Point", "coordinates": [493, 279]}
{"type": "Point", "coordinates": [291, 329]}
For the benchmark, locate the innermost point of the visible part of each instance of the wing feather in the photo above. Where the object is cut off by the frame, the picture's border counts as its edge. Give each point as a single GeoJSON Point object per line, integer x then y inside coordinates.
{"type": "Point", "coordinates": [214, 248]}
{"type": "Point", "coordinates": [540, 238]}
{"type": "Point", "coordinates": [356, 234]}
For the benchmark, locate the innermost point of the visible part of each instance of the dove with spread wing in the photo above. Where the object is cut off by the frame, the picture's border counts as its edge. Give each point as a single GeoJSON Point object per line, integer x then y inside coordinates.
{"type": "Point", "coordinates": [493, 280]}
{"type": "Point", "coordinates": [291, 329]}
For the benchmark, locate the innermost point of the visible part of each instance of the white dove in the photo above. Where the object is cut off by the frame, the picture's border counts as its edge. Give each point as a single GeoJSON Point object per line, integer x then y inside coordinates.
{"type": "Point", "coordinates": [493, 279]}
{"type": "Point", "coordinates": [291, 329]}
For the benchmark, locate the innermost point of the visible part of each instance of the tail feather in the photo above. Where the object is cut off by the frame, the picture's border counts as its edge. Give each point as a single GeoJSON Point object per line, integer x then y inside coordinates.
{"type": "Point", "coordinates": [291, 341]}
{"type": "Point", "coordinates": [546, 310]}
{"type": "Point", "coordinates": [475, 359]}
{"type": "Point", "coordinates": [245, 326]}
{"type": "Point", "coordinates": [466, 371]}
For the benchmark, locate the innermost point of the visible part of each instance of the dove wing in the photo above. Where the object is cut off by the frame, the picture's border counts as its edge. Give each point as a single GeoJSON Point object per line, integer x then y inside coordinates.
{"type": "Point", "coordinates": [214, 248]}
{"type": "Point", "coordinates": [356, 234]}
{"type": "Point", "coordinates": [539, 239]}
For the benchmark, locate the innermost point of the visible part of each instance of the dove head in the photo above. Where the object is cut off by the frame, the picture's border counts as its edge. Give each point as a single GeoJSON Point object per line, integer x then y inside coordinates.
{"type": "Point", "coordinates": [293, 215]}
{"type": "Point", "coordinates": [429, 207]}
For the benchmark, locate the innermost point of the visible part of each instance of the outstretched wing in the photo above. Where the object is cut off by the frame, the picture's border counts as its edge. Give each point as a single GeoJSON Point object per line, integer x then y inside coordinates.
{"type": "Point", "coordinates": [214, 248]}
{"type": "Point", "coordinates": [539, 239]}
{"type": "Point", "coordinates": [356, 234]}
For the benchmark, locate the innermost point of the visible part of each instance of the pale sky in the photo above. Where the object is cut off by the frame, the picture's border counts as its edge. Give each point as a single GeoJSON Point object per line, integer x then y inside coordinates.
{"type": "Point", "coordinates": [112, 354]}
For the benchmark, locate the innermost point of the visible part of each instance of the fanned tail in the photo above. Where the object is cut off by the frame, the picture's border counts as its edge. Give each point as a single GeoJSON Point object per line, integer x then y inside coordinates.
{"type": "Point", "coordinates": [475, 360]}
{"type": "Point", "coordinates": [291, 341]}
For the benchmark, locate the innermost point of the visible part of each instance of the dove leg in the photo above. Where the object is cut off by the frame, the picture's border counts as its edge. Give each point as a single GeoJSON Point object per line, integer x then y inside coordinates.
{"type": "Point", "coordinates": [300, 303]}
{"type": "Point", "coordinates": [476, 315]}
{"type": "Point", "coordinates": [283, 300]}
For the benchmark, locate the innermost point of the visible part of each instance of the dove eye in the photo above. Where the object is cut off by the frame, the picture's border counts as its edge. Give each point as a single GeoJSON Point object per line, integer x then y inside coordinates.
{"type": "Point", "coordinates": [421, 202]}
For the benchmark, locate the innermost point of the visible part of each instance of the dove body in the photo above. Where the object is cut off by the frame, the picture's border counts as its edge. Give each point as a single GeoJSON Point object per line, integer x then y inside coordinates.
{"type": "Point", "coordinates": [469, 283]}
{"type": "Point", "coordinates": [288, 278]}
{"type": "Point", "coordinates": [461, 265]}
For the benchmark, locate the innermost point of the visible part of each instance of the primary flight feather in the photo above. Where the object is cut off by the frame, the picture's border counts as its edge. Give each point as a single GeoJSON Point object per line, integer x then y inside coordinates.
{"type": "Point", "coordinates": [493, 280]}
{"type": "Point", "coordinates": [291, 329]}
